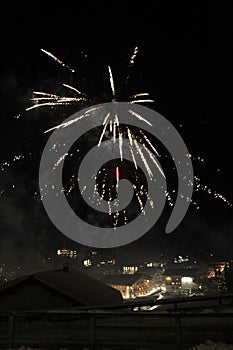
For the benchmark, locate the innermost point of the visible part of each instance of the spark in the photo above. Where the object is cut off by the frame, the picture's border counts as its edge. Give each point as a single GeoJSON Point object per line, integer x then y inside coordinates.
{"type": "Point", "coordinates": [134, 98]}
{"type": "Point", "coordinates": [60, 160]}
{"type": "Point", "coordinates": [131, 62]}
{"type": "Point", "coordinates": [153, 159]}
{"type": "Point", "coordinates": [149, 143]}
{"type": "Point", "coordinates": [112, 84]}
{"type": "Point", "coordinates": [131, 148]}
{"type": "Point", "coordinates": [53, 100]}
{"type": "Point", "coordinates": [58, 60]}
{"type": "Point", "coordinates": [130, 136]}
{"type": "Point", "coordinates": [139, 117]}
{"type": "Point", "coordinates": [139, 199]}
{"type": "Point", "coordinates": [115, 124]}
{"type": "Point", "coordinates": [132, 59]}
{"type": "Point", "coordinates": [83, 189]}
{"type": "Point", "coordinates": [140, 94]}
{"type": "Point", "coordinates": [64, 125]}
{"type": "Point", "coordinates": [150, 173]}
{"type": "Point", "coordinates": [14, 160]}
{"type": "Point", "coordinates": [73, 88]}
{"type": "Point", "coordinates": [106, 118]}
{"type": "Point", "coordinates": [120, 144]}
{"type": "Point", "coordinates": [109, 208]}
{"type": "Point", "coordinates": [133, 157]}
{"type": "Point", "coordinates": [114, 132]}
{"type": "Point", "coordinates": [72, 121]}
{"type": "Point", "coordinates": [104, 129]}
{"type": "Point", "coordinates": [110, 126]}
{"type": "Point", "coordinates": [141, 101]}
{"type": "Point", "coordinates": [210, 191]}
{"type": "Point", "coordinates": [116, 120]}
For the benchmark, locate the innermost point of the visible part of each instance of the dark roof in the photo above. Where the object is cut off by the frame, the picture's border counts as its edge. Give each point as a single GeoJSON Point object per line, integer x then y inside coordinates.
{"type": "Point", "coordinates": [150, 271]}
{"type": "Point", "coordinates": [74, 284]}
{"type": "Point", "coordinates": [123, 280]}
{"type": "Point", "coordinates": [181, 272]}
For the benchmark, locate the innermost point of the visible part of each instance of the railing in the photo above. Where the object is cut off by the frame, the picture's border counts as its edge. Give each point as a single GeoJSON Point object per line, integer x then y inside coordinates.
{"type": "Point", "coordinates": [211, 301]}
{"type": "Point", "coordinates": [120, 328]}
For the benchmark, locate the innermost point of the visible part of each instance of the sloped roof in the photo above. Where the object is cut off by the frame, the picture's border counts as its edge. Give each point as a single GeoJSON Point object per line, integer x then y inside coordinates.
{"type": "Point", "coordinates": [76, 285]}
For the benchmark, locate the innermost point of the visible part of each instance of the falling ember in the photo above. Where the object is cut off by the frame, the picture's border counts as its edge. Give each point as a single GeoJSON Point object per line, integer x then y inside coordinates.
{"type": "Point", "coordinates": [210, 191]}
{"type": "Point", "coordinates": [14, 160]}
{"type": "Point", "coordinates": [58, 60]}
{"type": "Point", "coordinates": [132, 61]}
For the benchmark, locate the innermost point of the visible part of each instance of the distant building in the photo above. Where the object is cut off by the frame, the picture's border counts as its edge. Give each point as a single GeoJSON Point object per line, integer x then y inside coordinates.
{"type": "Point", "coordinates": [180, 259]}
{"type": "Point", "coordinates": [130, 286]}
{"type": "Point", "coordinates": [64, 252]}
{"type": "Point", "coordinates": [154, 264]}
{"type": "Point", "coordinates": [87, 263]}
{"type": "Point", "coordinates": [156, 274]}
{"type": "Point", "coordinates": [179, 280]}
{"type": "Point", "coordinates": [129, 270]}
{"type": "Point", "coordinates": [229, 277]}
{"type": "Point", "coordinates": [56, 289]}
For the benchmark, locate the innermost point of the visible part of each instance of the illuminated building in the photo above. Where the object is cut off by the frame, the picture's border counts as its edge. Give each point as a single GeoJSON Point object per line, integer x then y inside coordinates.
{"type": "Point", "coordinates": [129, 285]}
{"type": "Point", "coordinates": [219, 267]}
{"type": "Point", "coordinates": [186, 284]}
{"type": "Point", "coordinates": [154, 264]}
{"type": "Point", "coordinates": [179, 281]}
{"type": "Point", "coordinates": [67, 253]}
{"type": "Point", "coordinates": [87, 263]}
{"type": "Point", "coordinates": [129, 270]}
{"type": "Point", "coordinates": [180, 259]}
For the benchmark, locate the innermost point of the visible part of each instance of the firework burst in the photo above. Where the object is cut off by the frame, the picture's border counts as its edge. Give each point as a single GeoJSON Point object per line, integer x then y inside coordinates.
{"type": "Point", "coordinates": [140, 145]}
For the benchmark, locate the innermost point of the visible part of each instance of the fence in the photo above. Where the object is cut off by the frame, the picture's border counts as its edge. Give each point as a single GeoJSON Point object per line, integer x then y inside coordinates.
{"type": "Point", "coordinates": [120, 329]}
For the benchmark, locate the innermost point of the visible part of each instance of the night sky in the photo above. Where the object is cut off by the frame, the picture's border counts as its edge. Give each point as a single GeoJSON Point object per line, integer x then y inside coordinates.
{"type": "Point", "coordinates": [184, 62]}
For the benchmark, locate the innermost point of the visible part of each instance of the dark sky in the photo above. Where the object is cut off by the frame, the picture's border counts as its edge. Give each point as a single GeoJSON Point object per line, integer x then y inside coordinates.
{"type": "Point", "coordinates": [184, 62]}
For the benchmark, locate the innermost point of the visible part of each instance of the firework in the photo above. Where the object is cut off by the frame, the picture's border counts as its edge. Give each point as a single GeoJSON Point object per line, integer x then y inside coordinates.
{"type": "Point", "coordinates": [140, 146]}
